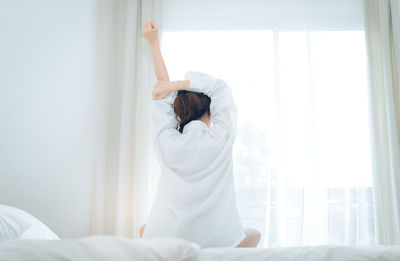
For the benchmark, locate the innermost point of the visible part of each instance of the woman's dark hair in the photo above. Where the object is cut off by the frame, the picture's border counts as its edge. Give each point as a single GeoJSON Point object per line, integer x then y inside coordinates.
{"type": "Point", "coordinates": [190, 106]}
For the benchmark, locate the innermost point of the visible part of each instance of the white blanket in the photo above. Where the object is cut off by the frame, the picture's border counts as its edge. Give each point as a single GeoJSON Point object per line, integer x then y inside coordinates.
{"type": "Point", "coordinates": [317, 253]}
{"type": "Point", "coordinates": [101, 248]}
{"type": "Point", "coordinates": [98, 248]}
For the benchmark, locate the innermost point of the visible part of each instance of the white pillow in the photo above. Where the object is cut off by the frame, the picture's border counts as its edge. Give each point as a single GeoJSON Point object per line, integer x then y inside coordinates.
{"type": "Point", "coordinates": [18, 224]}
{"type": "Point", "coordinates": [11, 225]}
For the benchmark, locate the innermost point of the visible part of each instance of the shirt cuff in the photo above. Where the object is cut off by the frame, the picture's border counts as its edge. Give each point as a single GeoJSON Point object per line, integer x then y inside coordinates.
{"type": "Point", "coordinates": [170, 98]}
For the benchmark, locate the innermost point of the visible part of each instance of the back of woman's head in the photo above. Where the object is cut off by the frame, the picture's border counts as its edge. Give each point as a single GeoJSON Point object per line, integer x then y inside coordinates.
{"type": "Point", "coordinates": [190, 106]}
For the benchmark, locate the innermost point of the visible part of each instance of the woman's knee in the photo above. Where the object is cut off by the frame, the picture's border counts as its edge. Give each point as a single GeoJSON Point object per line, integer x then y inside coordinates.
{"type": "Point", "coordinates": [252, 238]}
{"type": "Point", "coordinates": [141, 230]}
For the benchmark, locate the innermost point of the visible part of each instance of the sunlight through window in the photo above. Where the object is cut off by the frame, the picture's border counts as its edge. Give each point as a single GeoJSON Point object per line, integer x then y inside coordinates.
{"type": "Point", "coordinates": [302, 152]}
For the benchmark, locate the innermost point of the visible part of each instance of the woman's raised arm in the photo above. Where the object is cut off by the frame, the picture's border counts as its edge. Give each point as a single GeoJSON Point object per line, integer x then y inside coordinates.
{"type": "Point", "coordinates": [162, 110]}
{"type": "Point", "coordinates": [150, 33]}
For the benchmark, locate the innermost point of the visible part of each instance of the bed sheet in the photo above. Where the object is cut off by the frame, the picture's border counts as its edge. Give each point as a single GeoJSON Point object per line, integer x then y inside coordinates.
{"type": "Point", "coordinates": [101, 248]}
{"type": "Point", "coordinates": [312, 253]}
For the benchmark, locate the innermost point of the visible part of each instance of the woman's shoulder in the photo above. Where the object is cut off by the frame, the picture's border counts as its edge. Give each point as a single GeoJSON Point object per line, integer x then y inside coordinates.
{"type": "Point", "coordinates": [195, 135]}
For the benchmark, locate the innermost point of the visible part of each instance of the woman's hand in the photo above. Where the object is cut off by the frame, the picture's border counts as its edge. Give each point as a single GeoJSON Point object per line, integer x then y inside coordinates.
{"type": "Point", "coordinates": [150, 31]}
{"type": "Point", "coordinates": [161, 89]}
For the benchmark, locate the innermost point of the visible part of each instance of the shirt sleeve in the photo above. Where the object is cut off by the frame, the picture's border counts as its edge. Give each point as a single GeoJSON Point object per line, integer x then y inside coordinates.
{"type": "Point", "coordinates": [164, 120]}
{"type": "Point", "coordinates": [223, 109]}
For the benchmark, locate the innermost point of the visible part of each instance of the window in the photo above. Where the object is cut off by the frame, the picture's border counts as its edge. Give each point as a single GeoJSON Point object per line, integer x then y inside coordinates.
{"type": "Point", "coordinates": [302, 153]}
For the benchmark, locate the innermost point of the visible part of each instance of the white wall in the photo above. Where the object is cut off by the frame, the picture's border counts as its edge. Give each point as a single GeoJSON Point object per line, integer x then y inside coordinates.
{"type": "Point", "coordinates": [46, 95]}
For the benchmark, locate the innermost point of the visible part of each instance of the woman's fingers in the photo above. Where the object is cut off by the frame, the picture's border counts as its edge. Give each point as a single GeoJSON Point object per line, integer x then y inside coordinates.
{"type": "Point", "coordinates": [160, 90]}
{"type": "Point", "coordinates": [147, 25]}
{"type": "Point", "coordinates": [154, 25]}
{"type": "Point", "coordinates": [149, 30]}
{"type": "Point", "coordinates": [155, 95]}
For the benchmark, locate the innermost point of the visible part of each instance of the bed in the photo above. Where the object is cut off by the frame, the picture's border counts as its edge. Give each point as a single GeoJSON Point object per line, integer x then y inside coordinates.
{"type": "Point", "coordinates": [23, 237]}
{"type": "Point", "coordinates": [118, 248]}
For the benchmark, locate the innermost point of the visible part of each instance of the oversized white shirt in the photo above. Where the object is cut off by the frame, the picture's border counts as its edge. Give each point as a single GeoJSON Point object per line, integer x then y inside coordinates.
{"type": "Point", "coordinates": [195, 198]}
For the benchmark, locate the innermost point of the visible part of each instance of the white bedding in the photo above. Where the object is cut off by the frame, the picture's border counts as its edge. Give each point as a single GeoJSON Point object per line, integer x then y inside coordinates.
{"type": "Point", "coordinates": [101, 248]}
{"type": "Point", "coordinates": [317, 253]}
{"type": "Point", "coordinates": [17, 224]}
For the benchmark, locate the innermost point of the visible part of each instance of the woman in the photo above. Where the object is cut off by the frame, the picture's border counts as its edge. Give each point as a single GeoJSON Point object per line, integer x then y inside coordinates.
{"type": "Point", "coordinates": [195, 126]}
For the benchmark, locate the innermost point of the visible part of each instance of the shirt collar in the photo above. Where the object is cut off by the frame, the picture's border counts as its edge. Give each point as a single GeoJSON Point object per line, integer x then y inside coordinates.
{"type": "Point", "coordinates": [193, 124]}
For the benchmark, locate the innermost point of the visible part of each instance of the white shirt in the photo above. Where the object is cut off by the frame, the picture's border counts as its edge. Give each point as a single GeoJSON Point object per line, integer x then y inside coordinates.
{"type": "Point", "coordinates": [195, 198]}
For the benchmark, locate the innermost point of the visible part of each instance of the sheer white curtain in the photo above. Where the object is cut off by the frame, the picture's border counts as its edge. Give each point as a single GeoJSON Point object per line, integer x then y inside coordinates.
{"type": "Point", "coordinates": [298, 73]}
{"type": "Point", "coordinates": [382, 20]}
{"type": "Point", "coordinates": [123, 180]}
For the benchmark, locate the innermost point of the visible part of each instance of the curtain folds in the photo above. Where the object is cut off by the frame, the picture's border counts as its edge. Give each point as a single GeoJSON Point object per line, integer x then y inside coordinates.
{"type": "Point", "coordinates": [382, 21]}
{"type": "Point", "coordinates": [123, 182]}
